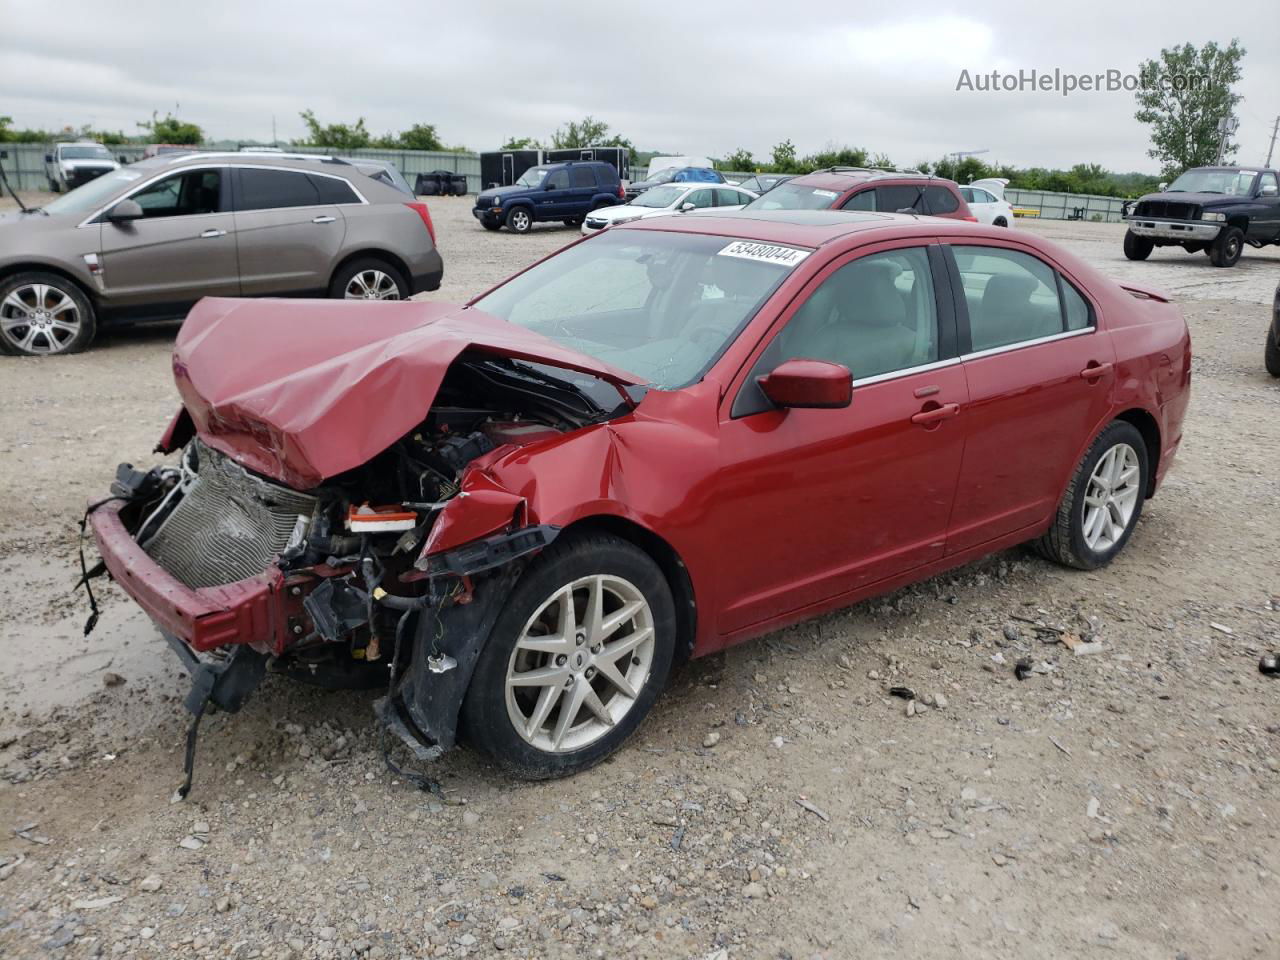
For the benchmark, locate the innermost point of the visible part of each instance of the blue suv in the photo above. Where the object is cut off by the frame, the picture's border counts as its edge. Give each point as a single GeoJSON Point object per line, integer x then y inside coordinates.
{"type": "Point", "coordinates": [552, 191]}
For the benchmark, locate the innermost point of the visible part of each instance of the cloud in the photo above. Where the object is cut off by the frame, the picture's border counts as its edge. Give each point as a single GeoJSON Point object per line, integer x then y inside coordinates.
{"type": "Point", "coordinates": [704, 78]}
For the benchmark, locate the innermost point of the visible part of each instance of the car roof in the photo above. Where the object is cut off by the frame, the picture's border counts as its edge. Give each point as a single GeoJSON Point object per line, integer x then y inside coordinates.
{"type": "Point", "coordinates": [845, 178]}
{"type": "Point", "coordinates": [814, 228]}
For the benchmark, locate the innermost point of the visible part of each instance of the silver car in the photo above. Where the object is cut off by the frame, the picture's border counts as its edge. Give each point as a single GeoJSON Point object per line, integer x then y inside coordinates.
{"type": "Point", "coordinates": [147, 241]}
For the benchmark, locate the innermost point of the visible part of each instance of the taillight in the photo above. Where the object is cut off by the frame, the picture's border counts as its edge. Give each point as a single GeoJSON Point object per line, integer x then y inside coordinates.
{"type": "Point", "coordinates": [421, 210]}
{"type": "Point", "coordinates": [622, 194]}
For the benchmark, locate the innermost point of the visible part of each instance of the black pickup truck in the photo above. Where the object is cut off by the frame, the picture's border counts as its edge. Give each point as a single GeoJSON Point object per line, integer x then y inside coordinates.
{"type": "Point", "coordinates": [1214, 209]}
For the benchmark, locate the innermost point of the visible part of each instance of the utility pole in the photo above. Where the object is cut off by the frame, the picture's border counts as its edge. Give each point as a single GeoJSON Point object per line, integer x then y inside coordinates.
{"type": "Point", "coordinates": [1275, 128]}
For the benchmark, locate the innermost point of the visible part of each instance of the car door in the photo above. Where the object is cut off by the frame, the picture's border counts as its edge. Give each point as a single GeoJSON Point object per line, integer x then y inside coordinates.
{"type": "Point", "coordinates": [1039, 375]}
{"type": "Point", "coordinates": [555, 197]}
{"type": "Point", "coordinates": [182, 249]}
{"type": "Point", "coordinates": [287, 238]}
{"type": "Point", "coordinates": [583, 189]}
{"type": "Point", "coordinates": [1265, 222]}
{"type": "Point", "coordinates": [731, 198]}
{"type": "Point", "coordinates": [817, 503]}
{"type": "Point", "coordinates": [981, 203]}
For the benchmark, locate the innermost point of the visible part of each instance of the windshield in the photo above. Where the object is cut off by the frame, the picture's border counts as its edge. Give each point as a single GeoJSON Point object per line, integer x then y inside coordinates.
{"type": "Point", "coordinates": [1235, 183]}
{"type": "Point", "coordinates": [91, 152]}
{"type": "Point", "coordinates": [532, 177]}
{"type": "Point", "coordinates": [659, 197]}
{"type": "Point", "coordinates": [95, 193]}
{"type": "Point", "coordinates": [660, 305]}
{"type": "Point", "coordinates": [794, 196]}
{"type": "Point", "coordinates": [664, 175]}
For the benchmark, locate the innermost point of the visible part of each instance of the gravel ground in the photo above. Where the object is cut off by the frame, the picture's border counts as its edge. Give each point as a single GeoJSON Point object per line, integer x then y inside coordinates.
{"type": "Point", "coordinates": [778, 802]}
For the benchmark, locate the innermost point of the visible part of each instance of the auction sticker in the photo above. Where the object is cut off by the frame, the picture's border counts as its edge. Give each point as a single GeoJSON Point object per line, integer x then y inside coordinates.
{"type": "Point", "coordinates": [829, 194]}
{"type": "Point", "coordinates": [764, 253]}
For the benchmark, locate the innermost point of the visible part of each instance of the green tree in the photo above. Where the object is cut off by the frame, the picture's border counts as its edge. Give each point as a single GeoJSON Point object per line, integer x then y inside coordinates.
{"type": "Point", "coordinates": [740, 160]}
{"type": "Point", "coordinates": [170, 129]}
{"type": "Point", "coordinates": [589, 132]}
{"type": "Point", "coordinates": [784, 157]}
{"type": "Point", "coordinates": [339, 136]}
{"type": "Point", "coordinates": [520, 143]}
{"type": "Point", "coordinates": [1185, 96]}
{"type": "Point", "coordinates": [421, 136]}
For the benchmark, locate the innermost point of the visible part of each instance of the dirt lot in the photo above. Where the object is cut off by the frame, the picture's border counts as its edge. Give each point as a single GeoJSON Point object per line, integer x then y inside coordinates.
{"type": "Point", "coordinates": [1124, 803]}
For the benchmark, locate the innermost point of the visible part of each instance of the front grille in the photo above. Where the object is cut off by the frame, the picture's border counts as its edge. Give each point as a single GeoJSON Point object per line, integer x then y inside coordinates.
{"type": "Point", "coordinates": [1169, 209]}
{"type": "Point", "coordinates": [229, 526]}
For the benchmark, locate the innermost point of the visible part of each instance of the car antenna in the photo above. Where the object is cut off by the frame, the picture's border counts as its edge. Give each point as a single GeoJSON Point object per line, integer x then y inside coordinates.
{"type": "Point", "coordinates": [5, 180]}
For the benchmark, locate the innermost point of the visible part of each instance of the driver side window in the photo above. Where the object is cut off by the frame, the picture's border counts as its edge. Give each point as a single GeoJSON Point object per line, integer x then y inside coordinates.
{"type": "Point", "coordinates": [874, 315]}
{"type": "Point", "coordinates": [182, 195]}
{"type": "Point", "coordinates": [559, 180]}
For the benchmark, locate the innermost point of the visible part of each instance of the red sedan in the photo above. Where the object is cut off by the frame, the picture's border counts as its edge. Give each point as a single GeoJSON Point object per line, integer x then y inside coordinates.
{"type": "Point", "coordinates": [654, 444]}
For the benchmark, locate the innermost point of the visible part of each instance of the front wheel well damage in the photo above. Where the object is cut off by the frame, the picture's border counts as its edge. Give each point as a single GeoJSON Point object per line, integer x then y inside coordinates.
{"type": "Point", "coordinates": [668, 560]}
{"type": "Point", "coordinates": [1150, 430]}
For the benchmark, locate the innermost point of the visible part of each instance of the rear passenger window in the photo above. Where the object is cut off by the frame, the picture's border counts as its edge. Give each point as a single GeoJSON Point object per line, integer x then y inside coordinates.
{"type": "Point", "coordinates": [270, 189]}
{"type": "Point", "coordinates": [940, 200]}
{"type": "Point", "coordinates": [1075, 308]}
{"type": "Point", "coordinates": [1011, 296]}
{"type": "Point", "coordinates": [333, 190]}
{"type": "Point", "coordinates": [730, 198]}
{"type": "Point", "coordinates": [583, 177]}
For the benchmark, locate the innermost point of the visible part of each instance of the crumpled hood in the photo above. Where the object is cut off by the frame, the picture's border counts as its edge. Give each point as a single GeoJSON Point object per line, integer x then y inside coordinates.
{"type": "Point", "coordinates": [303, 390]}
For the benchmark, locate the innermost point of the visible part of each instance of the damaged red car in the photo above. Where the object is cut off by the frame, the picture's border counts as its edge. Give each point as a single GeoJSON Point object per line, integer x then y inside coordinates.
{"type": "Point", "coordinates": [517, 514]}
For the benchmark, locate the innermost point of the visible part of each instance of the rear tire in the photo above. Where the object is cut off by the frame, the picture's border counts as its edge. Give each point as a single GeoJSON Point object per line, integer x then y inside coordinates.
{"type": "Point", "coordinates": [520, 724]}
{"type": "Point", "coordinates": [1136, 247]}
{"type": "Point", "coordinates": [43, 314]}
{"type": "Point", "coordinates": [368, 278]}
{"type": "Point", "coordinates": [1272, 355]}
{"type": "Point", "coordinates": [1226, 248]}
{"type": "Point", "coordinates": [519, 220]}
{"type": "Point", "coordinates": [1098, 514]}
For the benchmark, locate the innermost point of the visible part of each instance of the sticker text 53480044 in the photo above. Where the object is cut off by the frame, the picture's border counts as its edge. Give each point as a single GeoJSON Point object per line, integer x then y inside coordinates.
{"type": "Point", "coordinates": [764, 253]}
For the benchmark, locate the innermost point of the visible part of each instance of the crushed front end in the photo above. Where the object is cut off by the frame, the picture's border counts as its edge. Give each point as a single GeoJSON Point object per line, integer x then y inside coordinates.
{"type": "Point", "coordinates": [386, 575]}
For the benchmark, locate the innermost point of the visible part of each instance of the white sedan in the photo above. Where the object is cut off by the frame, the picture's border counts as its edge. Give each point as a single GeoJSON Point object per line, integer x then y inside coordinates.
{"type": "Point", "coordinates": [667, 199]}
{"type": "Point", "coordinates": [986, 200]}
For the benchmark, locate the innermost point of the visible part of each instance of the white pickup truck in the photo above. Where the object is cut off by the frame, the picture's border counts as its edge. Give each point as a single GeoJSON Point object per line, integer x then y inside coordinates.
{"type": "Point", "coordinates": [74, 164]}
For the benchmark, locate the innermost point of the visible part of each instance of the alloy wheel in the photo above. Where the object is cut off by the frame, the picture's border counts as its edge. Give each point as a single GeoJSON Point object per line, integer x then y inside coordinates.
{"type": "Point", "coordinates": [520, 221]}
{"type": "Point", "coordinates": [38, 318]}
{"type": "Point", "coordinates": [579, 664]}
{"type": "Point", "coordinates": [1111, 496]}
{"type": "Point", "coordinates": [371, 285]}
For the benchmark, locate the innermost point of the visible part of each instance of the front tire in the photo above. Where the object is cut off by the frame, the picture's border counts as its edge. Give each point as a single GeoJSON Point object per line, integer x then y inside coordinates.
{"type": "Point", "coordinates": [1226, 248]}
{"type": "Point", "coordinates": [1136, 247]}
{"type": "Point", "coordinates": [368, 278]}
{"type": "Point", "coordinates": [1272, 355]}
{"type": "Point", "coordinates": [1103, 502]}
{"type": "Point", "coordinates": [43, 314]}
{"type": "Point", "coordinates": [576, 659]}
{"type": "Point", "coordinates": [490, 224]}
{"type": "Point", "coordinates": [519, 220]}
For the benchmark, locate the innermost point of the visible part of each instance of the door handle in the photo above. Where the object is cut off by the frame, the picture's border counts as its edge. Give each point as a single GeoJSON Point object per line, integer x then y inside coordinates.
{"type": "Point", "coordinates": [1095, 370]}
{"type": "Point", "coordinates": [936, 414]}
{"type": "Point", "coordinates": [322, 220]}
{"type": "Point", "coordinates": [210, 234]}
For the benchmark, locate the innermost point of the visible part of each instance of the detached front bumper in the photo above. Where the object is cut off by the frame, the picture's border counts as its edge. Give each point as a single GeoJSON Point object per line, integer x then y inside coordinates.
{"type": "Point", "coordinates": [1179, 231]}
{"type": "Point", "coordinates": [263, 612]}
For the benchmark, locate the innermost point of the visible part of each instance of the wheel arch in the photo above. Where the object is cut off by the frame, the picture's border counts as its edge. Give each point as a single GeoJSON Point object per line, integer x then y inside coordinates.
{"type": "Point", "coordinates": [665, 556]}
{"type": "Point", "coordinates": [1149, 427]}
{"type": "Point", "coordinates": [1239, 220]}
{"type": "Point", "coordinates": [27, 266]}
{"type": "Point", "coordinates": [373, 253]}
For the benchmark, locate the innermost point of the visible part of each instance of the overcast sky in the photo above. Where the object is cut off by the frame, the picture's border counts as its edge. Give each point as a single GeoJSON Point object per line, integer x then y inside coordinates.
{"type": "Point", "coordinates": [697, 78]}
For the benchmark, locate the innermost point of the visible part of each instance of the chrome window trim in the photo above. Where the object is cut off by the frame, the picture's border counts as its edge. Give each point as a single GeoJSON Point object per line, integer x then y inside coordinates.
{"type": "Point", "coordinates": [1018, 345]}
{"type": "Point", "coordinates": [364, 202]}
{"type": "Point", "coordinates": [905, 371]}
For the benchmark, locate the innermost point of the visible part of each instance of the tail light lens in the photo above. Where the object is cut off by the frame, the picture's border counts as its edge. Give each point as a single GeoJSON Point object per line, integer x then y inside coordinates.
{"type": "Point", "coordinates": [622, 194]}
{"type": "Point", "coordinates": [421, 210]}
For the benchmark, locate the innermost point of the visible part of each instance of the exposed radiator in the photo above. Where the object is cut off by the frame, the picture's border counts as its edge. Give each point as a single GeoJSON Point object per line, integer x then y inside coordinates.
{"type": "Point", "coordinates": [229, 526]}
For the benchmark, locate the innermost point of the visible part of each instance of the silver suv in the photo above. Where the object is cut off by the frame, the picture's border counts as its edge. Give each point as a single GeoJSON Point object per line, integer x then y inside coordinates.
{"type": "Point", "coordinates": [147, 241]}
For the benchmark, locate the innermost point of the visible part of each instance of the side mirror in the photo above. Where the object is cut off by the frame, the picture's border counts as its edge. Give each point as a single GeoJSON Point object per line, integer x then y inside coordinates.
{"type": "Point", "coordinates": [124, 211]}
{"type": "Point", "coordinates": [1268, 190]}
{"type": "Point", "coordinates": [686, 207]}
{"type": "Point", "coordinates": [549, 186]}
{"type": "Point", "coordinates": [808, 384]}
{"type": "Point", "coordinates": [1163, 186]}
{"type": "Point", "coordinates": [48, 158]}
